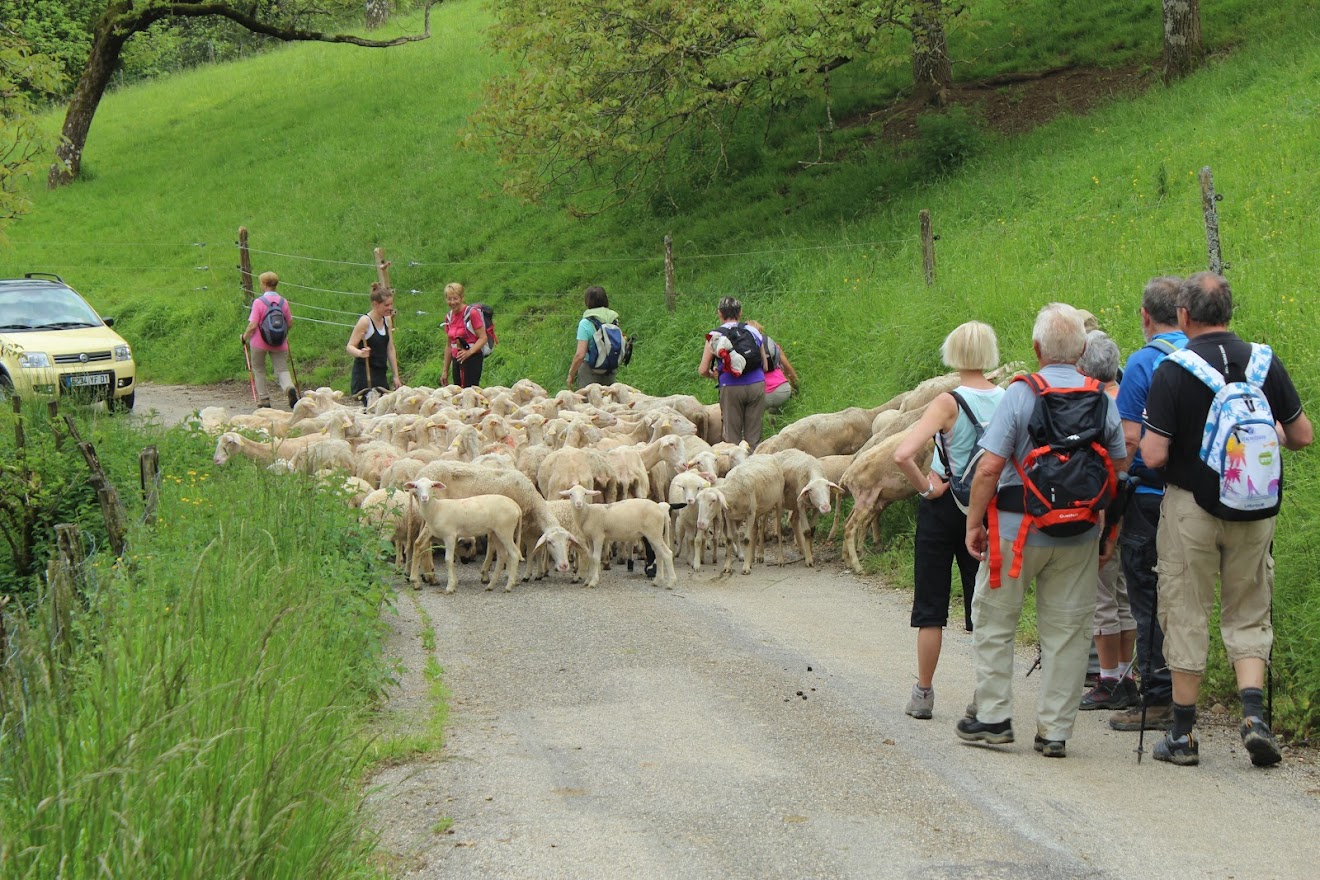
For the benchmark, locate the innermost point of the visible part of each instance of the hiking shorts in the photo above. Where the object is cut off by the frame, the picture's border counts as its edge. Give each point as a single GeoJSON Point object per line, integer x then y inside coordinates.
{"type": "Point", "coordinates": [1196, 549]}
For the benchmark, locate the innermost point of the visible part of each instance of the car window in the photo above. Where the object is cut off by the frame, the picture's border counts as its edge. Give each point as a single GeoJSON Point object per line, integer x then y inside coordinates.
{"type": "Point", "coordinates": [45, 308]}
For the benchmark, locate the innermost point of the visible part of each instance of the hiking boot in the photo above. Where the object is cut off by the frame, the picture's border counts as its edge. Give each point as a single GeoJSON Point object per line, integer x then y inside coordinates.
{"type": "Point", "coordinates": [1183, 751]}
{"type": "Point", "coordinates": [1260, 743]}
{"type": "Point", "coordinates": [1157, 717]}
{"type": "Point", "coordinates": [1107, 694]}
{"type": "Point", "coordinates": [1050, 748]}
{"type": "Point", "coordinates": [293, 397]}
{"type": "Point", "coordinates": [922, 705]}
{"type": "Point", "coordinates": [976, 730]}
{"type": "Point", "coordinates": [263, 403]}
{"type": "Point", "coordinates": [1130, 691]}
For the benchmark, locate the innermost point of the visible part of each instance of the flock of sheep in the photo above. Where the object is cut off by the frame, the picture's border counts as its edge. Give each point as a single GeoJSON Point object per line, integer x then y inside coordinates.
{"type": "Point", "coordinates": [561, 481]}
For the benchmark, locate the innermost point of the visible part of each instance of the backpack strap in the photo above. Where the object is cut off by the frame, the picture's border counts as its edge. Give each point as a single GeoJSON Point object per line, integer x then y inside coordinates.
{"type": "Point", "coordinates": [1199, 367]}
{"type": "Point", "coordinates": [939, 435]}
{"type": "Point", "coordinates": [1259, 365]}
{"type": "Point", "coordinates": [1163, 345]}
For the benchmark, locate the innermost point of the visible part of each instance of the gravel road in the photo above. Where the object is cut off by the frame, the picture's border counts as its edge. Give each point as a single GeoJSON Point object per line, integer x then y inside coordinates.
{"type": "Point", "coordinates": [753, 727]}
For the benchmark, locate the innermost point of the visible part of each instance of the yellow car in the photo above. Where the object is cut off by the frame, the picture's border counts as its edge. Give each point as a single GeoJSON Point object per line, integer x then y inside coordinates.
{"type": "Point", "coordinates": [52, 343]}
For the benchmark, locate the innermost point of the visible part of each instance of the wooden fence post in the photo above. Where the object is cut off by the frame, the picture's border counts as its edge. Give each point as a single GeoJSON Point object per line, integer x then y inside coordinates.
{"type": "Point", "coordinates": [669, 273]}
{"type": "Point", "coordinates": [61, 580]}
{"type": "Point", "coordinates": [149, 471]}
{"type": "Point", "coordinates": [111, 508]}
{"type": "Point", "coordinates": [382, 267]}
{"type": "Point", "coordinates": [1208, 199]}
{"type": "Point", "coordinates": [927, 248]}
{"type": "Point", "coordinates": [245, 264]}
{"type": "Point", "coordinates": [53, 415]}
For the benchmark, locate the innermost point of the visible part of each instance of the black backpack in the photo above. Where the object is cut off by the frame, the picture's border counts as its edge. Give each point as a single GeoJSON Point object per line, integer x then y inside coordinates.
{"type": "Point", "coordinates": [273, 328]}
{"type": "Point", "coordinates": [487, 318]}
{"type": "Point", "coordinates": [744, 343]}
{"type": "Point", "coordinates": [960, 485]}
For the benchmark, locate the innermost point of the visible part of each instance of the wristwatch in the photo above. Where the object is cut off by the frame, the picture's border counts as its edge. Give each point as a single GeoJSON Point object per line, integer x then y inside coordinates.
{"type": "Point", "coordinates": [930, 487]}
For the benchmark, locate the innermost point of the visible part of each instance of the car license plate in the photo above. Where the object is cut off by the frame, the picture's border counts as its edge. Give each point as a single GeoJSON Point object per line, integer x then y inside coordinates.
{"type": "Point", "coordinates": [82, 380]}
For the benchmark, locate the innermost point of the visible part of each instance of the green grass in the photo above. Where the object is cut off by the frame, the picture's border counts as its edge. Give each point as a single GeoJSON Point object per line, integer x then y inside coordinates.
{"type": "Point", "coordinates": [203, 721]}
{"type": "Point", "coordinates": [327, 152]}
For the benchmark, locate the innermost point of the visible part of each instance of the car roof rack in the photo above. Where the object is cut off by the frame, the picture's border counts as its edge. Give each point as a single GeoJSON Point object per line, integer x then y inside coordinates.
{"type": "Point", "coordinates": [43, 275]}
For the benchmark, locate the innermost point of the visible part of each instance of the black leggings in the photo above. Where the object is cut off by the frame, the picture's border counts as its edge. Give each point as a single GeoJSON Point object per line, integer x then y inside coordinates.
{"type": "Point", "coordinates": [467, 373]}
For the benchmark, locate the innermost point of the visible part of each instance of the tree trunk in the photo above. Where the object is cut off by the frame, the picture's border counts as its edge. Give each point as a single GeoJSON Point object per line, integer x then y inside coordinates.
{"type": "Point", "coordinates": [1183, 49]}
{"type": "Point", "coordinates": [378, 14]}
{"type": "Point", "coordinates": [932, 71]}
{"type": "Point", "coordinates": [101, 62]}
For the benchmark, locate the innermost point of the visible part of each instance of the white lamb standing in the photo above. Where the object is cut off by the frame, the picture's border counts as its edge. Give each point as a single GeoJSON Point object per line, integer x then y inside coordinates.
{"type": "Point", "coordinates": [497, 517]}
{"type": "Point", "coordinates": [629, 520]}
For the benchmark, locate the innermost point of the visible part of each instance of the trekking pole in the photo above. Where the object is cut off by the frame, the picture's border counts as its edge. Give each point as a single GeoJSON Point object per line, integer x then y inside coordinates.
{"type": "Point", "coordinates": [293, 368]}
{"type": "Point", "coordinates": [252, 379]}
{"type": "Point", "coordinates": [1146, 674]}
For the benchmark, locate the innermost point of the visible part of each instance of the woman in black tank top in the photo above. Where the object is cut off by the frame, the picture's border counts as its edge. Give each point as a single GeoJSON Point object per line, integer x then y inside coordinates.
{"type": "Point", "coordinates": [372, 346]}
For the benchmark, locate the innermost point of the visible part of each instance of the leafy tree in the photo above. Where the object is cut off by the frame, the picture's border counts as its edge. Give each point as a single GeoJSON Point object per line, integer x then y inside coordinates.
{"type": "Point", "coordinates": [1183, 49]}
{"type": "Point", "coordinates": [608, 96]}
{"type": "Point", "coordinates": [25, 78]}
{"type": "Point", "coordinates": [120, 20]}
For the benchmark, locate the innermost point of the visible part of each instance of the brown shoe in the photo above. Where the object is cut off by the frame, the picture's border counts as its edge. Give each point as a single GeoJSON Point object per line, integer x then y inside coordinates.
{"type": "Point", "coordinates": [1157, 718]}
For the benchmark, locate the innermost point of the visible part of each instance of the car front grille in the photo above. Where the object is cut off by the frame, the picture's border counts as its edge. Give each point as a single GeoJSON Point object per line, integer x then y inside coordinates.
{"type": "Point", "coordinates": [92, 357]}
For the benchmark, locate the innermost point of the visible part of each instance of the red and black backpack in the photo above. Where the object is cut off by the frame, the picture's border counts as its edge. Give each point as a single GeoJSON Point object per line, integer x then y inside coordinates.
{"type": "Point", "coordinates": [1067, 478]}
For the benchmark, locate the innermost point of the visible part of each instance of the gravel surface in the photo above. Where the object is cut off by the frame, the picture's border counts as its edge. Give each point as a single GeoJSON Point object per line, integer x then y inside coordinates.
{"type": "Point", "coordinates": [753, 727]}
{"type": "Point", "coordinates": [171, 404]}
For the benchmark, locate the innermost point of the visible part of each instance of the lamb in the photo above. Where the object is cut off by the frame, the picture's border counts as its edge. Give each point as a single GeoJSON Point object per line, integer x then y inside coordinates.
{"type": "Point", "coordinates": [463, 480]}
{"type": "Point", "coordinates": [875, 482]}
{"type": "Point", "coordinates": [264, 452]}
{"type": "Point", "coordinates": [323, 454]}
{"type": "Point", "coordinates": [806, 488]}
{"type": "Point", "coordinates": [396, 517]}
{"type": "Point", "coordinates": [683, 491]}
{"type": "Point", "coordinates": [448, 519]}
{"type": "Point", "coordinates": [752, 489]}
{"type": "Point", "coordinates": [629, 520]}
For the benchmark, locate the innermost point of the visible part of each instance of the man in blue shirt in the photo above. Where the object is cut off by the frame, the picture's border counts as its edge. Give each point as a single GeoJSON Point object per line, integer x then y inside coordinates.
{"type": "Point", "coordinates": [1159, 326]}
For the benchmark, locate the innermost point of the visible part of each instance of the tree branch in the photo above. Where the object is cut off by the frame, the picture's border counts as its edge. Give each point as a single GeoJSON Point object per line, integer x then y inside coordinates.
{"type": "Point", "coordinates": [257, 26]}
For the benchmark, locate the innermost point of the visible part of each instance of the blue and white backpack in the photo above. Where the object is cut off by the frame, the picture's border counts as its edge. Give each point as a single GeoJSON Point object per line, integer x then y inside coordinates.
{"type": "Point", "coordinates": [1239, 443]}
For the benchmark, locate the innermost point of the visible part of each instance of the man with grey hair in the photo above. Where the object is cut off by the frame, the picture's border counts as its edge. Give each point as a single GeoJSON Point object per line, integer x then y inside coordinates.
{"type": "Point", "coordinates": [1213, 525]}
{"type": "Point", "coordinates": [1159, 326]}
{"type": "Point", "coordinates": [1064, 569]}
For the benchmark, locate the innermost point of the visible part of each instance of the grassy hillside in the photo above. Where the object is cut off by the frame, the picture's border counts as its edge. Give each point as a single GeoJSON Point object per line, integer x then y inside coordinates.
{"type": "Point", "coordinates": [326, 152]}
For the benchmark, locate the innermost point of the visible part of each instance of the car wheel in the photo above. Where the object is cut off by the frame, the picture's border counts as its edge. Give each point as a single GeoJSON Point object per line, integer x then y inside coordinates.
{"type": "Point", "coordinates": [6, 389]}
{"type": "Point", "coordinates": [125, 403]}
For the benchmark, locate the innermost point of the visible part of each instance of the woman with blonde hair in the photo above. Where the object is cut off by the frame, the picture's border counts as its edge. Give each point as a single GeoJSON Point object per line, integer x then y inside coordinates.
{"type": "Point", "coordinates": [956, 419]}
{"type": "Point", "coordinates": [465, 330]}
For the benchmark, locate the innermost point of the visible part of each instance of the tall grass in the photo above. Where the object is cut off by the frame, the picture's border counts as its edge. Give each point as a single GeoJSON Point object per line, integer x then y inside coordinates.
{"type": "Point", "coordinates": [206, 720]}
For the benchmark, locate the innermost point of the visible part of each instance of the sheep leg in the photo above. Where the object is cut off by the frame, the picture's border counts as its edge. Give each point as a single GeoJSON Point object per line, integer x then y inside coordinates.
{"type": "Point", "coordinates": [802, 537]}
{"type": "Point", "coordinates": [451, 542]}
{"type": "Point", "coordinates": [857, 521]}
{"type": "Point", "coordinates": [665, 575]}
{"type": "Point", "coordinates": [509, 557]}
{"type": "Point", "coordinates": [593, 564]}
{"type": "Point", "coordinates": [753, 534]}
{"type": "Point", "coordinates": [486, 576]}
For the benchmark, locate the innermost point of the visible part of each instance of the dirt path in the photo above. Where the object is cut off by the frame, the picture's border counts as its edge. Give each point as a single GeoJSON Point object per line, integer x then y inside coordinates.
{"type": "Point", "coordinates": [173, 403]}
{"type": "Point", "coordinates": [753, 727]}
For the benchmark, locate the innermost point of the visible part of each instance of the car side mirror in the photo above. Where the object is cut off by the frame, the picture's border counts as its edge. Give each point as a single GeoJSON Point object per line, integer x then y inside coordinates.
{"type": "Point", "coordinates": [109, 322]}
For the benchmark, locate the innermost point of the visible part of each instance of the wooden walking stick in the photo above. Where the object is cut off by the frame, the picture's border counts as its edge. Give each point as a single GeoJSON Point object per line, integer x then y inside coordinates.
{"type": "Point", "coordinates": [252, 379]}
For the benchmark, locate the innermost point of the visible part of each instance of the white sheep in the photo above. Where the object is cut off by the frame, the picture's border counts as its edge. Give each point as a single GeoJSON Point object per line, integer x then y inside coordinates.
{"type": "Point", "coordinates": [806, 490]}
{"type": "Point", "coordinates": [447, 519]}
{"type": "Point", "coordinates": [683, 490]}
{"type": "Point", "coordinates": [750, 491]}
{"type": "Point", "coordinates": [629, 521]}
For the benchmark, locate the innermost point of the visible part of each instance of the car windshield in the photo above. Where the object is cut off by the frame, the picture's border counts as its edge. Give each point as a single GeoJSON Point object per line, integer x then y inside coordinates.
{"type": "Point", "coordinates": [44, 308]}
